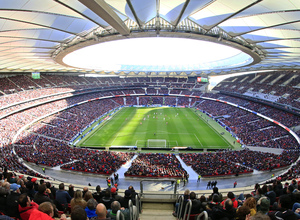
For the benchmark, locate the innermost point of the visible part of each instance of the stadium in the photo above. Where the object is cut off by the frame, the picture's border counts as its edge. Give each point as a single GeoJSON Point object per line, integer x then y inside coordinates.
{"type": "Point", "coordinates": [166, 96]}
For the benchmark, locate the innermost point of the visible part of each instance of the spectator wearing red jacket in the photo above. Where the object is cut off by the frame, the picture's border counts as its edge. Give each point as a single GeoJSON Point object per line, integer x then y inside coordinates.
{"type": "Point", "coordinates": [26, 206]}
{"type": "Point", "coordinates": [230, 195]}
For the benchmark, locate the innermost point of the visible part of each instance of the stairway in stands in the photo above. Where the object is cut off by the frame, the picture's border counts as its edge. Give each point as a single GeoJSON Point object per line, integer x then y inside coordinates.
{"type": "Point", "coordinates": [157, 211]}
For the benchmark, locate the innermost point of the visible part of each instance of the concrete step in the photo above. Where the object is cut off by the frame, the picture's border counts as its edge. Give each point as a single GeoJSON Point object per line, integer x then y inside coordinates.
{"type": "Point", "coordinates": [157, 211]}
{"type": "Point", "coordinates": [158, 206]}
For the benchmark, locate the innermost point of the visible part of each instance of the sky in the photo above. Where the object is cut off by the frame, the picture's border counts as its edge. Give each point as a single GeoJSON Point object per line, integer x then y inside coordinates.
{"type": "Point", "coordinates": [152, 54]}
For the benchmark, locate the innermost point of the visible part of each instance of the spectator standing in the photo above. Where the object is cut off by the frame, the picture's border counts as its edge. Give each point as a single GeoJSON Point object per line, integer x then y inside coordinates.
{"type": "Point", "coordinates": [199, 178]}
{"type": "Point", "coordinates": [116, 177]}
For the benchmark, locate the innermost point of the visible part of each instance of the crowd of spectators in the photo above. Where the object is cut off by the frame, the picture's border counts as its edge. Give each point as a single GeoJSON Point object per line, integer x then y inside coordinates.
{"type": "Point", "coordinates": [259, 131]}
{"type": "Point", "coordinates": [99, 162]}
{"type": "Point", "coordinates": [260, 160]}
{"type": "Point", "coordinates": [171, 101]}
{"type": "Point", "coordinates": [282, 84]}
{"type": "Point", "coordinates": [257, 136]}
{"type": "Point", "coordinates": [188, 102]}
{"type": "Point", "coordinates": [25, 82]}
{"type": "Point", "coordinates": [285, 142]}
{"type": "Point", "coordinates": [26, 138]}
{"type": "Point", "coordinates": [11, 162]}
{"type": "Point", "coordinates": [49, 152]}
{"type": "Point", "coordinates": [211, 164]}
{"type": "Point", "coordinates": [130, 100]}
{"type": "Point", "coordinates": [272, 201]}
{"type": "Point", "coordinates": [73, 120]}
{"type": "Point", "coordinates": [237, 162]}
{"type": "Point", "coordinates": [156, 165]}
{"type": "Point", "coordinates": [28, 198]}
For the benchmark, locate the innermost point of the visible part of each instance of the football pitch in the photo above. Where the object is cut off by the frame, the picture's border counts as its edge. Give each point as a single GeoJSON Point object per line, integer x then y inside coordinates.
{"type": "Point", "coordinates": [158, 127]}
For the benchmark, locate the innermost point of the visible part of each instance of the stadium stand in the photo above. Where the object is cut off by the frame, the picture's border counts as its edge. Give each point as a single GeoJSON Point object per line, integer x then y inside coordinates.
{"type": "Point", "coordinates": [46, 142]}
{"type": "Point", "coordinates": [156, 165]}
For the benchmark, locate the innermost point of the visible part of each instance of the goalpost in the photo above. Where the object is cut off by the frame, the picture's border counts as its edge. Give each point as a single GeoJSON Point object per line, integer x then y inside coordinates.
{"type": "Point", "coordinates": [157, 143]}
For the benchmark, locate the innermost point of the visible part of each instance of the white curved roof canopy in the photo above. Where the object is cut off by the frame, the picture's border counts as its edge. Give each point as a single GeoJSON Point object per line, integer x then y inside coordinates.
{"type": "Point", "coordinates": [33, 33]}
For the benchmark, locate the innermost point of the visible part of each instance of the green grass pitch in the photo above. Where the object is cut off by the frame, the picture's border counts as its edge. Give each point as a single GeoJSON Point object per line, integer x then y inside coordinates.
{"type": "Point", "coordinates": [132, 126]}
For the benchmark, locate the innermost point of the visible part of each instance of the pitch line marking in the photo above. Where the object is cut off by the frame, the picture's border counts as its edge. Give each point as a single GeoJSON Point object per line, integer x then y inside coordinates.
{"type": "Point", "coordinates": [89, 136]}
{"type": "Point", "coordinates": [114, 139]}
{"type": "Point", "coordinates": [214, 129]}
{"type": "Point", "coordinates": [198, 140]}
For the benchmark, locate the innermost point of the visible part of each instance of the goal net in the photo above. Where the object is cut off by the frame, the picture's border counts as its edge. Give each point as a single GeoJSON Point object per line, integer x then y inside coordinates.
{"type": "Point", "coordinates": [156, 143]}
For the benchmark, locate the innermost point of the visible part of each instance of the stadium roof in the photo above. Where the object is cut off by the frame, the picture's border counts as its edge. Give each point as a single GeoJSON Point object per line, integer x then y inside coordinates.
{"type": "Point", "coordinates": [36, 34]}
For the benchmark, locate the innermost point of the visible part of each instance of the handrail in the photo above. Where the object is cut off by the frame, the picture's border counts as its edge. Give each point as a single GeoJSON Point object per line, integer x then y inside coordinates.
{"type": "Point", "coordinates": [130, 207]}
{"type": "Point", "coordinates": [120, 215]}
{"type": "Point", "coordinates": [204, 213]}
{"type": "Point", "coordinates": [179, 210]}
{"type": "Point", "coordinates": [138, 206]}
{"type": "Point", "coordinates": [187, 210]}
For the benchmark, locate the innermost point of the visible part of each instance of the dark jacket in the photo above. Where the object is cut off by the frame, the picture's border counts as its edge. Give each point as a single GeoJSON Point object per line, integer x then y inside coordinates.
{"type": "Point", "coordinates": [107, 201]}
{"type": "Point", "coordinates": [63, 198]}
{"type": "Point", "coordinates": [272, 197]}
{"type": "Point", "coordinates": [218, 213]}
{"type": "Point", "coordinates": [124, 201]}
{"type": "Point", "coordinates": [116, 197]}
{"type": "Point", "coordinates": [98, 196]}
{"type": "Point", "coordinates": [196, 206]}
{"type": "Point", "coordinates": [40, 198]}
{"type": "Point", "coordinates": [3, 197]}
{"type": "Point", "coordinates": [12, 205]}
{"type": "Point", "coordinates": [279, 215]}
